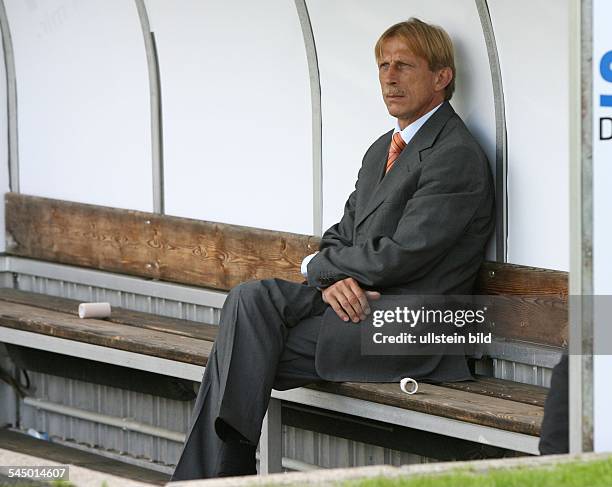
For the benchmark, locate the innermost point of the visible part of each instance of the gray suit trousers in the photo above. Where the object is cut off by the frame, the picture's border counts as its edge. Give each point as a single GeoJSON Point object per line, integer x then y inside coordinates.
{"type": "Point", "coordinates": [267, 339]}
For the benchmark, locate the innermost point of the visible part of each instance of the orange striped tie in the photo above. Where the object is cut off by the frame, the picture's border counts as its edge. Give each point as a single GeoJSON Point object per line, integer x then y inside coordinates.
{"type": "Point", "coordinates": [396, 147]}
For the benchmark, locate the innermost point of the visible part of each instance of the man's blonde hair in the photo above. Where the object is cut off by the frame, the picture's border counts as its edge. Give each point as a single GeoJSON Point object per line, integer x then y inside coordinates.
{"type": "Point", "coordinates": [430, 42]}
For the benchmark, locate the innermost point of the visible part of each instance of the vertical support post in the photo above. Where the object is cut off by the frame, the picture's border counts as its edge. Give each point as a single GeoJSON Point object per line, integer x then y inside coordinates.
{"type": "Point", "coordinates": [157, 150]}
{"type": "Point", "coordinates": [317, 128]}
{"type": "Point", "coordinates": [601, 137]}
{"type": "Point", "coordinates": [271, 441]}
{"type": "Point", "coordinates": [11, 88]}
{"type": "Point", "coordinates": [9, 400]}
{"type": "Point", "coordinates": [581, 227]}
{"type": "Point", "coordinates": [501, 136]}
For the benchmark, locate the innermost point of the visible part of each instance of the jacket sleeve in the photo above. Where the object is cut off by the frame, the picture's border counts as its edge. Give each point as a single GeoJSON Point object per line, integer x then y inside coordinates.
{"type": "Point", "coordinates": [450, 190]}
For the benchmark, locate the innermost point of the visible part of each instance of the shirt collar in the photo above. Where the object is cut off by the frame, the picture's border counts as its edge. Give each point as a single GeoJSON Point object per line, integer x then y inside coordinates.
{"type": "Point", "coordinates": [410, 131]}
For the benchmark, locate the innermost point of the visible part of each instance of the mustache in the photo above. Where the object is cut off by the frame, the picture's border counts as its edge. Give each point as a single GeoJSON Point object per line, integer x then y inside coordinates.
{"type": "Point", "coordinates": [394, 93]}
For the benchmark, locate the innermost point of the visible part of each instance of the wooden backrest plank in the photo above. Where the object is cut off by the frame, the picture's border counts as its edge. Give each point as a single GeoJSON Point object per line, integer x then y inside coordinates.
{"type": "Point", "coordinates": [167, 248]}
{"type": "Point", "coordinates": [519, 280]}
{"type": "Point", "coordinates": [530, 304]}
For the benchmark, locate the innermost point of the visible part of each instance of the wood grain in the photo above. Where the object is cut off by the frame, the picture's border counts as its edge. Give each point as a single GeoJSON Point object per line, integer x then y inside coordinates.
{"type": "Point", "coordinates": [503, 389]}
{"type": "Point", "coordinates": [495, 278]}
{"type": "Point", "coordinates": [176, 326]}
{"type": "Point", "coordinates": [528, 303]}
{"type": "Point", "coordinates": [449, 403]}
{"type": "Point", "coordinates": [181, 250]}
{"type": "Point", "coordinates": [534, 319]}
{"type": "Point", "coordinates": [105, 333]}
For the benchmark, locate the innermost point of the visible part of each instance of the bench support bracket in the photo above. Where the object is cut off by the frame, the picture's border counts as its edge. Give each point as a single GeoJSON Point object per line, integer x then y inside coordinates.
{"type": "Point", "coordinates": [271, 441]}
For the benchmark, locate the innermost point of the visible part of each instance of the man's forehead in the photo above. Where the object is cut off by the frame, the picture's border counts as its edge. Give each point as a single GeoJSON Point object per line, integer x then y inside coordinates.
{"type": "Point", "coordinates": [397, 47]}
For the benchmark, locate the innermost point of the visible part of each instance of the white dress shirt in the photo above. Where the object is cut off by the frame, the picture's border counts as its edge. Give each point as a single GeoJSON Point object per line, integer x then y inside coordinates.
{"type": "Point", "coordinates": [407, 134]}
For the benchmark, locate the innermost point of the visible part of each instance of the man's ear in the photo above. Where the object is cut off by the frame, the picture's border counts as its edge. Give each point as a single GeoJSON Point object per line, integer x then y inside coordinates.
{"type": "Point", "coordinates": [443, 77]}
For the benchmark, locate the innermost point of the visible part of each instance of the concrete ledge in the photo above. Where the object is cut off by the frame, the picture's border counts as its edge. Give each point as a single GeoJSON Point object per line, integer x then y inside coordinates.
{"type": "Point", "coordinates": [332, 476]}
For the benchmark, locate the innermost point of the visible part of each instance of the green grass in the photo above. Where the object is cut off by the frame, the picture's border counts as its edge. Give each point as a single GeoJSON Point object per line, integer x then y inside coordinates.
{"type": "Point", "coordinates": [591, 474]}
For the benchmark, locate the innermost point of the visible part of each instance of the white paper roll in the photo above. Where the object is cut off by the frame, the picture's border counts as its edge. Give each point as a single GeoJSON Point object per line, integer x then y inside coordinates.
{"type": "Point", "coordinates": [94, 310]}
{"type": "Point", "coordinates": [408, 380]}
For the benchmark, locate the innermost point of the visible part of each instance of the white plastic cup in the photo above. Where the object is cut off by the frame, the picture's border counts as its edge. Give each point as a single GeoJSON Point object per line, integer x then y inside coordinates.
{"type": "Point", "coordinates": [94, 310]}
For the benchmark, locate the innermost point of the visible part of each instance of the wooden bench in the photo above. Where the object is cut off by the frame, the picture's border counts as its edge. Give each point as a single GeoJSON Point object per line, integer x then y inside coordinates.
{"type": "Point", "coordinates": [219, 256]}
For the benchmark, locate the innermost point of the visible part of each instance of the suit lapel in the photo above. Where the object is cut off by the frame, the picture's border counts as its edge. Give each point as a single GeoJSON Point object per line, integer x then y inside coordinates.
{"type": "Point", "coordinates": [422, 140]}
{"type": "Point", "coordinates": [373, 168]}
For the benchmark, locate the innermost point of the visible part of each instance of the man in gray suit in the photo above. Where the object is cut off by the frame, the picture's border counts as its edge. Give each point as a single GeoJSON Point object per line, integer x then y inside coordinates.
{"type": "Point", "coordinates": [416, 223]}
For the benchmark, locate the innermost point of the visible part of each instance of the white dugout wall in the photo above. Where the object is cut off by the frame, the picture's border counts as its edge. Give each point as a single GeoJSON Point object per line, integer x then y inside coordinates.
{"type": "Point", "coordinates": [237, 110]}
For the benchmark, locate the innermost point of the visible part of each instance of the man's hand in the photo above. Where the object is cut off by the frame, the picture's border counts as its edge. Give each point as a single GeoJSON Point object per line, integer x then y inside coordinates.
{"type": "Point", "coordinates": [348, 299]}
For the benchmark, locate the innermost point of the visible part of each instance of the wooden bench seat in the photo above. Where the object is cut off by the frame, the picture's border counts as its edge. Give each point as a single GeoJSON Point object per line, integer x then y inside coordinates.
{"type": "Point", "coordinates": [120, 316]}
{"type": "Point", "coordinates": [530, 315]}
{"type": "Point", "coordinates": [487, 401]}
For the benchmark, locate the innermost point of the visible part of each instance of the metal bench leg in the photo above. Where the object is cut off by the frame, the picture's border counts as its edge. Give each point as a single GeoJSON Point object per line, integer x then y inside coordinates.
{"type": "Point", "coordinates": [271, 440]}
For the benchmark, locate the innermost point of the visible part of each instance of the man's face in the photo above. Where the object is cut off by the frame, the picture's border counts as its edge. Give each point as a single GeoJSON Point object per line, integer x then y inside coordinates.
{"type": "Point", "coordinates": [410, 89]}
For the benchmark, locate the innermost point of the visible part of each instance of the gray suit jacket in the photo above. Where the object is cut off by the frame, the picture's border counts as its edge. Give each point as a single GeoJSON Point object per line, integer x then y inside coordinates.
{"type": "Point", "coordinates": [420, 229]}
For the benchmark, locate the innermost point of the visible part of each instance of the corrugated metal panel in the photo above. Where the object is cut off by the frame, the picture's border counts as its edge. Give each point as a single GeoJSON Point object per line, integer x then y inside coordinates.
{"type": "Point", "coordinates": [165, 413]}
{"type": "Point", "coordinates": [298, 444]}
{"type": "Point", "coordinates": [136, 302]}
{"type": "Point", "coordinates": [333, 452]}
{"type": "Point", "coordinates": [528, 374]}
